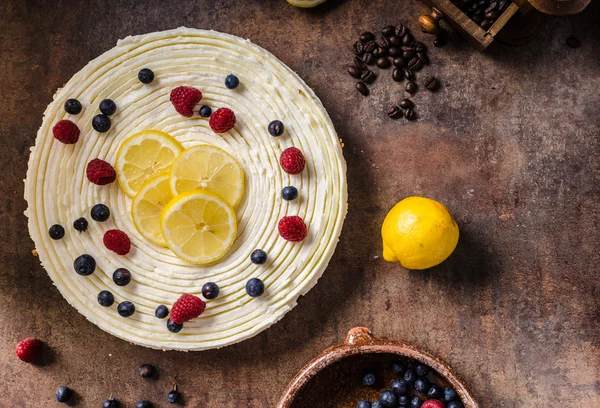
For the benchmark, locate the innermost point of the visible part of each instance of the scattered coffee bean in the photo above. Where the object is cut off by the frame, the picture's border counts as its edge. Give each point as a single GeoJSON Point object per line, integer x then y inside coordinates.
{"type": "Point", "coordinates": [383, 63]}
{"type": "Point", "coordinates": [410, 114]}
{"type": "Point", "coordinates": [367, 76]}
{"type": "Point", "coordinates": [366, 37]}
{"type": "Point", "coordinates": [406, 104]}
{"type": "Point", "coordinates": [420, 47]}
{"type": "Point", "coordinates": [400, 31]}
{"type": "Point", "coordinates": [431, 83]}
{"type": "Point", "coordinates": [395, 112]}
{"type": "Point", "coordinates": [408, 74]}
{"type": "Point", "coordinates": [397, 75]}
{"type": "Point", "coordinates": [409, 54]}
{"type": "Point", "coordinates": [384, 42]}
{"type": "Point", "coordinates": [440, 41]}
{"type": "Point", "coordinates": [370, 46]}
{"type": "Point", "coordinates": [395, 40]}
{"type": "Point", "coordinates": [359, 48]}
{"type": "Point", "coordinates": [368, 58]}
{"type": "Point", "coordinates": [572, 42]}
{"type": "Point", "coordinates": [360, 63]}
{"type": "Point", "coordinates": [354, 71]}
{"type": "Point", "coordinates": [407, 39]}
{"type": "Point", "coordinates": [415, 64]}
{"type": "Point", "coordinates": [362, 88]}
{"type": "Point", "coordinates": [399, 62]}
{"type": "Point", "coordinates": [411, 87]}
{"type": "Point", "coordinates": [395, 51]}
{"type": "Point", "coordinates": [380, 52]}
{"type": "Point", "coordinates": [423, 57]}
{"type": "Point", "coordinates": [388, 31]}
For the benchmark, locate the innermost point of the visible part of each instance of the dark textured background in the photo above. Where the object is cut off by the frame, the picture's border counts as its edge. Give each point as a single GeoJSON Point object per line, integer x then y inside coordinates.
{"type": "Point", "coordinates": [510, 144]}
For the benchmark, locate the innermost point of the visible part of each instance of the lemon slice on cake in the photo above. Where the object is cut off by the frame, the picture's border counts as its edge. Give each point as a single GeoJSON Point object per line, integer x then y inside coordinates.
{"type": "Point", "coordinates": [208, 168]}
{"type": "Point", "coordinates": [147, 206]}
{"type": "Point", "coordinates": [198, 226]}
{"type": "Point", "coordinates": [143, 156]}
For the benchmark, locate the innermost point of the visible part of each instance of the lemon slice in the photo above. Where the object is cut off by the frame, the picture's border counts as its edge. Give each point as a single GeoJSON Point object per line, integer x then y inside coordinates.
{"type": "Point", "coordinates": [143, 156]}
{"type": "Point", "coordinates": [198, 226]}
{"type": "Point", "coordinates": [208, 168]}
{"type": "Point", "coordinates": [147, 206]}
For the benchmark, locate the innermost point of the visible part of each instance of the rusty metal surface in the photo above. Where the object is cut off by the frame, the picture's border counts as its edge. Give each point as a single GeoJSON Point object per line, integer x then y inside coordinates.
{"type": "Point", "coordinates": [510, 144]}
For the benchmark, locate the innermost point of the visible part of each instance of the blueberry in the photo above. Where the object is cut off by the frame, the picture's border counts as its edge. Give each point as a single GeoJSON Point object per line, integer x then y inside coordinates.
{"type": "Point", "coordinates": [403, 400]}
{"type": "Point", "coordinates": [105, 298]}
{"type": "Point", "coordinates": [255, 287]}
{"type": "Point", "coordinates": [388, 399]}
{"type": "Point", "coordinates": [100, 213]}
{"type": "Point", "coordinates": [146, 370]}
{"type": "Point", "coordinates": [398, 367]}
{"type": "Point", "coordinates": [63, 394]}
{"type": "Point", "coordinates": [172, 396]}
{"type": "Point", "coordinates": [56, 232]}
{"type": "Point", "coordinates": [84, 265]}
{"type": "Point", "coordinates": [126, 308]}
{"type": "Point", "coordinates": [174, 327]}
{"type": "Point", "coordinates": [410, 376]}
{"type": "Point", "coordinates": [369, 379]}
{"type": "Point", "coordinates": [376, 404]}
{"type": "Point", "coordinates": [400, 387]}
{"type": "Point", "coordinates": [455, 404]}
{"type": "Point", "coordinates": [122, 277]}
{"type": "Point", "coordinates": [364, 404]}
{"type": "Point", "coordinates": [108, 107]}
{"type": "Point", "coordinates": [422, 370]}
{"type": "Point", "coordinates": [210, 290]}
{"type": "Point", "coordinates": [101, 123]}
{"type": "Point", "coordinates": [205, 111]}
{"type": "Point", "coordinates": [232, 82]}
{"type": "Point", "coordinates": [435, 392]}
{"type": "Point", "coordinates": [146, 75]}
{"type": "Point", "coordinates": [161, 312]}
{"type": "Point", "coordinates": [80, 224]}
{"type": "Point", "coordinates": [111, 403]}
{"type": "Point", "coordinates": [258, 257]}
{"type": "Point", "coordinates": [416, 402]}
{"type": "Point", "coordinates": [144, 404]}
{"type": "Point", "coordinates": [289, 193]}
{"type": "Point", "coordinates": [450, 394]}
{"type": "Point", "coordinates": [73, 106]}
{"type": "Point", "coordinates": [276, 128]}
{"type": "Point", "coordinates": [422, 385]}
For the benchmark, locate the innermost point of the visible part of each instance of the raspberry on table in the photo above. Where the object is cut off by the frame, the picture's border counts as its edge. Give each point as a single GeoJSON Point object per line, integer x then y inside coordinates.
{"type": "Point", "coordinates": [292, 228]}
{"type": "Point", "coordinates": [29, 350]}
{"type": "Point", "coordinates": [184, 98]}
{"type": "Point", "coordinates": [186, 308]}
{"type": "Point", "coordinates": [66, 132]}
{"type": "Point", "coordinates": [117, 241]}
{"type": "Point", "coordinates": [222, 120]}
{"type": "Point", "coordinates": [432, 404]}
{"type": "Point", "coordinates": [100, 172]}
{"type": "Point", "coordinates": [292, 160]}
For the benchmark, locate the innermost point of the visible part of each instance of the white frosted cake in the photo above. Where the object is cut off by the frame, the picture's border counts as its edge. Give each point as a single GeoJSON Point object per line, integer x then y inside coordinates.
{"type": "Point", "coordinates": [59, 191]}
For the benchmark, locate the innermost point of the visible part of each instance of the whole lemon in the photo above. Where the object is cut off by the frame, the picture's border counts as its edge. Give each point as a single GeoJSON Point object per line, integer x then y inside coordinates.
{"type": "Point", "coordinates": [419, 233]}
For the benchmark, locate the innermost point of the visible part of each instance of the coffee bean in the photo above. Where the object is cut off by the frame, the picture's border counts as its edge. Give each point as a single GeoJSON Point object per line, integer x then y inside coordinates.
{"type": "Point", "coordinates": [362, 88]}
{"type": "Point", "coordinates": [384, 42]}
{"type": "Point", "coordinates": [395, 40]}
{"type": "Point", "coordinates": [410, 114]}
{"type": "Point", "coordinates": [423, 57]}
{"type": "Point", "coordinates": [478, 18]}
{"type": "Point", "coordinates": [485, 24]}
{"type": "Point", "coordinates": [408, 74]}
{"type": "Point", "coordinates": [366, 37]}
{"type": "Point", "coordinates": [420, 47]}
{"type": "Point", "coordinates": [370, 46]}
{"type": "Point", "coordinates": [406, 104]}
{"type": "Point", "coordinates": [354, 71]}
{"type": "Point", "coordinates": [407, 39]}
{"type": "Point", "coordinates": [383, 62]}
{"type": "Point", "coordinates": [493, 5]}
{"type": "Point", "coordinates": [415, 64]}
{"type": "Point", "coordinates": [388, 31]}
{"type": "Point", "coordinates": [399, 62]}
{"type": "Point", "coordinates": [439, 41]}
{"type": "Point", "coordinates": [397, 75]}
{"type": "Point", "coordinates": [368, 58]}
{"type": "Point", "coordinates": [380, 52]}
{"type": "Point", "coordinates": [360, 63]}
{"type": "Point", "coordinates": [395, 51]}
{"type": "Point", "coordinates": [359, 48]}
{"type": "Point", "coordinates": [400, 31]}
{"type": "Point", "coordinates": [395, 112]}
{"type": "Point", "coordinates": [431, 83]}
{"type": "Point", "coordinates": [411, 87]}
{"type": "Point", "coordinates": [572, 42]}
{"type": "Point", "coordinates": [409, 54]}
{"type": "Point", "coordinates": [492, 15]}
{"type": "Point", "coordinates": [367, 76]}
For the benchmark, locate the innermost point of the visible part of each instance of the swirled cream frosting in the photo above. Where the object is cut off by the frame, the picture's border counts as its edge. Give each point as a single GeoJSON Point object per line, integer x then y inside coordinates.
{"type": "Point", "coordinates": [58, 192]}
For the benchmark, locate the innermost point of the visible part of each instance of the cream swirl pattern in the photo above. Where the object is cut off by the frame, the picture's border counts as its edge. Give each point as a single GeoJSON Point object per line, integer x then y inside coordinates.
{"type": "Point", "coordinates": [58, 192]}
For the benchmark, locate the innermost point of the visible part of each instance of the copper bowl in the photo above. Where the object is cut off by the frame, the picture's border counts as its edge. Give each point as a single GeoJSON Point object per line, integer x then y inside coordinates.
{"type": "Point", "coordinates": [329, 377]}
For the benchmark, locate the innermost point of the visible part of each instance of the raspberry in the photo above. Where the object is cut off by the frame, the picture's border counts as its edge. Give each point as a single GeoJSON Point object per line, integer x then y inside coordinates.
{"type": "Point", "coordinates": [292, 160]}
{"type": "Point", "coordinates": [432, 404]}
{"type": "Point", "coordinates": [117, 241]}
{"type": "Point", "coordinates": [100, 172]}
{"type": "Point", "coordinates": [292, 228]}
{"type": "Point", "coordinates": [222, 120]}
{"type": "Point", "coordinates": [184, 98]}
{"type": "Point", "coordinates": [29, 350]}
{"type": "Point", "coordinates": [66, 132]}
{"type": "Point", "coordinates": [186, 308]}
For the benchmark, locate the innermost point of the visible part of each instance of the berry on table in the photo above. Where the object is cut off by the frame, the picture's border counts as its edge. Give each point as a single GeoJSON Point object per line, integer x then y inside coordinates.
{"type": "Point", "coordinates": [100, 172]}
{"type": "Point", "coordinates": [376, 404]}
{"type": "Point", "coordinates": [101, 123]}
{"type": "Point", "coordinates": [435, 392]}
{"type": "Point", "coordinates": [29, 350]}
{"type": "Point", "coordinates": [161, 312]}
{"type": "Point", "coordinates": [184, 99]}
{"type": "Point", "coordinates": [126, 309]}
{"type": "Point", "coordinates": [117, 241]}
{"type": "Point", "coordinates": [416, 402]}
{"type": "Point", "coordinates": [388, 399]}
{"type": "Point", "coordinates": [364, 404]}
{"type": "Point", "coordinates": [174, 327]}
{"type": "Point", "coordinates": [173, 396]}
{"type": "Point", "coordinates": [144, 404]}
{"type": "Point", "coordinates": [258, 257]}
{"type": "Point", "coordinates": [121, 276]}
{"type": "Point", "coordinates": [255, 287]}
{"type": "Point", "coordinates": [400, 387]}
{"type": "Point", "coordinates": [80, 224]}
{"type": "Point", "coordinates": [56, 232]}
{"type": "Point", "coordinates": [210, 290]}
{"type": "Point", "coordinates": [292, 228]}
{"type": "Point", "coordinates": [108, 107]}
{"type": "Point", "coordinates": [410, 376]}
{"type": "Point", "coordinates": [186, 308]}
{"type": "Point", "coordinates": [432, 403]}
{"type": "Point", "coordinates": [73, 106]}
{"type": "Point", "coordinates": [222, 120]}
{"type": "Point", "coordinates": [231, 81]}
{"type": "Point", "coordinates": [398, 367]}
{"type": "Point", "coordinates": [369, 379]}
{"type": "Point", "coordinates": [146, 75]}
{"type": "Point", "coordinates": [403, 400]}
{"type": "Point", "coordinates": [292, 160]}
{"type": "Point", "coordinates": [105, 298]}
{"type": "Point", "coordinates": [84, 265]}
{"type": "Point", "coordinates": [421, 385]}
{"type": "Point", "coordinates": [111, 403]}
{"type": "Point", "coordinates": [450, 394]}
{"type": "Point", "coordinates": [289, 193]}
{"type": "Point", "coordinates": [63, 394]}
{"type": "Point", "coordinates": [100, 213]}
{"type": "Point", "coordinates": [146, 370]}
{"type": "Point", "coordinates": [276, 128]}
{"type": "Point", "coordinates": [455, 404]}
{"type": "Point", "coordinates": [66, 131]}
{"type": "Point", "coordinates": [205, 111]}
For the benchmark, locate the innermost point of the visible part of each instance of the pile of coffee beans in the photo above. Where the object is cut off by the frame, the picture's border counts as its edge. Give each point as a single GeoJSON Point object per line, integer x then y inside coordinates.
{"type": "Point", "coordinates": [483, 12]}
{"type": "Point", "coordinates": [397, 48]}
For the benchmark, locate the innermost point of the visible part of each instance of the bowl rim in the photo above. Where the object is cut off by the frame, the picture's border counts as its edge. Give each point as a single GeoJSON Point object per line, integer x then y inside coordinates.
{"type": "Point", "coordinates": [360, 340]}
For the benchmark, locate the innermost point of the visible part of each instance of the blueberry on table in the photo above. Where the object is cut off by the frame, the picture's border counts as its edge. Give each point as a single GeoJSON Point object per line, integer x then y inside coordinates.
{"type": "Point", "coordinates": [73, 106]}
{"type": "Point", "coordinates": [144, 404]}
{"type": "Point", "coordinates": [56, 232]}
{"type": "Point", "coordinates": [450, 394]}
{"type": "Point", "coordinates": [255, 287]}
{"type": "Point", "coordinates": [126, 309]}
{"type": "Point", "coordinates": [289, 193]}
{"type": "Point", "coordinates": [100, 213]}
{"type": "Point", "coordinates": [63, 394]}
{"type": "Point", "coordinates": [161, 312]}
{"type": "Point", "coordinates": [410, 376]}
{"type": "Point", "coordinates": [146, 370]}
{"type": "Point", "coordinates": [455, 404]}
{"type": "Point", "coordinates": [121, 277]}
{"type": "Point", "coordinates": [398, 367]}
{"type": "Point", "coordinates": [210, 290]}
{"type": "Point", "coordinates": [388, 399]}
{"type": "Point", "coordinates": [276, 128]}
{"type": "Point", "coordinates": [111, 403]}
{"type": "Point", "coordinates": [80, 224]}
{"type": "Point", "coordinates": [84, 265]}
{"type": "Point", "coordinates": [146, 75]}
{"type": "Point", "coordinates": [421, 385]}
{"type": "Point", "coordinates": [435, 392]}
{"type": "Point", "coordinates": [416, 402]}
{"type": "Point", "coordinates": [232, 82]}
{"type": "Point", "coordinates": [364, 404]}
{"type": "Point", "coordinates": [258, 257]}
{"type": "Point", "coordinates": [369, 379]}
{"type": "Point", "coordinates": [101, 123]}
{"type": "Point", "coordinates": [400, 387]}
{"type": "Point", "coordinates": [376, 404]}
{"type": "Point", "coordinates": [105, 298]}
{"type": "Point", "coordinates": [205, 111]}
{"type": "Point", "coordinates": [174, 327]}
{"type": "Point", "coordinates": [404, 400]}
{"type": "Point", "coordinates": [172, 396]}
